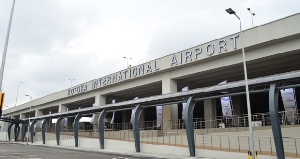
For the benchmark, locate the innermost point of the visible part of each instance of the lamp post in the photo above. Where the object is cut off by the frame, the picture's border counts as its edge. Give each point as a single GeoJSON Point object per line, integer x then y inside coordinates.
{"type": "Point", "coordinates": [71, 80]}
{"type": "Point", "coordinates": [252, 14]}
{"type": "Point", "coordinates": [127, 60]}
{"type": "Point", "coordinates": [18, 92]}
{"type": "Point", "coordinates": [251, 141]}
{"type": "Point", "coordinates": [6, 44]}
{"type": "Point", "coordinates": [29, 117]}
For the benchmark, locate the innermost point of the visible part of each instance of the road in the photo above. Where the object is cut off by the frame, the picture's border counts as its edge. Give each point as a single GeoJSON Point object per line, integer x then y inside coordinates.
{"type": "Point", "coordinates": [18, 151]}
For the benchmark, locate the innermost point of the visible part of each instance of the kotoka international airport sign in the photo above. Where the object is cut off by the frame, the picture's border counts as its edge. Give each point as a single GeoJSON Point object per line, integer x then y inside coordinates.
{"type": "Point", "coordinates": [176, 59]}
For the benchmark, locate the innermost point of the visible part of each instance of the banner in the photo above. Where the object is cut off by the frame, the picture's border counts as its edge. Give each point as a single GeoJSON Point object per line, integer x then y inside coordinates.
{"type": "Point", "coordinates": [158, 116]}
{"type": "Point", "coordinates": [132, 111]}
{"type": "Point", "coordinates": [226, 105]}
{"type": "Point", "coordinates": [290, 104]}
{"type": "Point", "coordinates": [66, 119]}
{"type": "Point", "coordinates": [113, 116]}
{"type": "Point", "coordinates": [184, 104]}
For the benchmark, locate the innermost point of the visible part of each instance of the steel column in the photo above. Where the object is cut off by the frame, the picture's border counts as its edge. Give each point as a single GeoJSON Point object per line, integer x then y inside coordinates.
{"type": "Point", "coordinates": [9, 130]}
{"type": "Point", "coordinates": [101, 125]}
{"type": "Point", "coordinates": [275, 121]}
{"type": "Point", "coordinates": [189, 127]}
{"type": "Point", "coordinates": [57, 129]}
{"type": "Point", "coordinates": [17, 131]}
{"type": "Point", "coordinates": [136, 127]}
{"type": "Point", "coordinates": [76, 127]}
{"type": "Point", "coordinates": [31, 129]}
{"type": "Point", "coordinates": [44, 130]}
{"type": "Point", "coordinates": [23, 131]}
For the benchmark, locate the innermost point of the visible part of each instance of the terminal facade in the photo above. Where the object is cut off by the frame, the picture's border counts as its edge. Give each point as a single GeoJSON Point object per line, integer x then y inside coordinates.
{"type": "Point", "coordinates": [270, 49]}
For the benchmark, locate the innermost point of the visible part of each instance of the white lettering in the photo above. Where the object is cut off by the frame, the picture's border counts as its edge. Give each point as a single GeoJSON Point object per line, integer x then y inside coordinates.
{"type": "Point", "coordinates": [197, 52]}
{"type": "Point", "coordinates": [108, 81]}
{"type": "Point", "coordinates": [181, 58]}
{"type": "Point", "coordinates": [141, 70]}
{"type": "Point", "coordinates": [120, 76]}
{"type": "Point", "coordinates": [174, 60]}
{"type": "Point", "coordinates": [149, 68]}
{"type": "Point", "coordinates": [125, 72]}
{"type": "Point", "coordinates": [234, 40]}
{"type": "Point", "coordinates": [134, 72]}
{"type": "Point", "coordinates": [188, 54]}
{"type": "Point", "coordinates": [114, 78]}
{"type": "Point", "coordinates": [212, 50]}
{"type": "Point", "coordinates": [222, 46]}
{"type": "Point", "coordinates": [155, 67]}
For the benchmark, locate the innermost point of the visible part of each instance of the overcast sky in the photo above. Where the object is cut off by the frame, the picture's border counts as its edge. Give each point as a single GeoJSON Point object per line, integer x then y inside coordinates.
{"type": "Point", "coordinates": [52, 41]}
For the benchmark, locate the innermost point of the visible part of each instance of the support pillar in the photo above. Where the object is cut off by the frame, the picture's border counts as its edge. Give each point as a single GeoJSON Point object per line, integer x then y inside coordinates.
{"type": "Point", "coordinates": [100, 100]}
{"type": "Point", "coordinates": [101, 125]}
{"type": "Point", "coordinates": [31, 128]}
{"type": "Point", "coordinates": [136, 127]}
{"type": "Point", "coordinates": [189, 127]}
{"type": "Point", "coordinates": [57, 129]}
{"type": "Point", "coordinates": [62, 108]}
{"type": "Point", "coordinates": [23, 131]}
{"type": "Point", "coordinates": [22, 116]}
{"type": "Point", "coordinates": [170, 112]}
{"type": "Point", "coordinates": [275, 121]}
{"type": "Point", "coordinates": [209, 112]}
{"type": "Point", "coordinates": [17, 131]}
{"type": "Point", "coordinates": [76, 127]}
{"type": "Point", "coordinates": [38, 112]}
{"type": "Point", "coordinates": [44, 130]}
{"type": "Point", "coordinates": [9, 131]}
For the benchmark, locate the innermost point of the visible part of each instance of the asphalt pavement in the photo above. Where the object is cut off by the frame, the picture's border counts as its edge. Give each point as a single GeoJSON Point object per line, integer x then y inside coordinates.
{"type": "Point", "coordinates": [10, 150]}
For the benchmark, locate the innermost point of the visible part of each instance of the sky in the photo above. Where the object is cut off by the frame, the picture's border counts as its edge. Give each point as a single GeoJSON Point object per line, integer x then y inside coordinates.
{"type": "Point", "coordinates": [53, 42]}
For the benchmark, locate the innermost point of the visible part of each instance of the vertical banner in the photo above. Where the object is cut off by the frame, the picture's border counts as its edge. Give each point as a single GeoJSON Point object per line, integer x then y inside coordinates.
{"type": "Point", "coordinates": [66, 119]}
{"type": "Point", "coordinates": [290, 104]}
{"type": "Point", "coordinates": [132, 111]}
{"type": "Point", "coordinates": [93, 117]}
{"type": "Point", "coordinates": [158, 116]}
{"type": "Point", "coordinates": [184, 104]}
{"type": "Point", "coordinates": [50, 121]}
{"type": "Point", "coordinates": [226, 105]}
{"type": "Point", "coordinates": [113, 116]}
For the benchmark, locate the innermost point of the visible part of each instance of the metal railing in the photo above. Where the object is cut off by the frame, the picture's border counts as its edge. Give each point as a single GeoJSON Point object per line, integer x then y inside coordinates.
{"type": "Point", "coordinates": [173, 133]}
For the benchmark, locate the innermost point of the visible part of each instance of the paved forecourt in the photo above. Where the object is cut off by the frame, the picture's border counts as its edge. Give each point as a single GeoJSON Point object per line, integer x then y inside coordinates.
{"type": "Point", "coordinates": [16, 151]}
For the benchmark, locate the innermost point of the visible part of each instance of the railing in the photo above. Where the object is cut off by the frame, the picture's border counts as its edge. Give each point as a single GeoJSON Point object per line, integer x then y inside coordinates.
{"type": "Point", "coordinates": [173, 133]}
{"type": "Point", "coordinates": [264, 145]}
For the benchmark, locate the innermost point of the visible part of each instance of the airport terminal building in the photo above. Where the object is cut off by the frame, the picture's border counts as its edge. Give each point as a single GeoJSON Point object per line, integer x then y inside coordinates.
{"type": "Point", "coordinates": [272, 55]}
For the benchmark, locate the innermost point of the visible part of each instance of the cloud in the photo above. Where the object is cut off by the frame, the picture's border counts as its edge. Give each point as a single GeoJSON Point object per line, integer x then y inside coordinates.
{"type": "Point", "coordinates": [52, 41]}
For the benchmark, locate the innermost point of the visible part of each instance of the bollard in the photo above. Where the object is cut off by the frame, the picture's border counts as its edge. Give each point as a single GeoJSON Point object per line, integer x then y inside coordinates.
{"type": "Point", "coordinates": [256, 157]}
{"type": "Point", "coordinates": [249, 155]}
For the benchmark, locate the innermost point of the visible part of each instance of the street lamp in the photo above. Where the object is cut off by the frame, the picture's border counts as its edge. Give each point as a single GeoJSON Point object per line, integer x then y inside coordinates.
{"type": "Point", "coordinates": [29, 117]}
{"type": "Point", "coordinates": [230, 11]}
{"type": "Point", "coordinates": [6, 44]}
{"type": "Point", "coordinates": [127, 60]}
{"type": "Point", "coordinates": [18, 92]}
{"type": "Point", "coordinates": [71, 80]}
{"type": "Point", "coordinates": [252, 14]}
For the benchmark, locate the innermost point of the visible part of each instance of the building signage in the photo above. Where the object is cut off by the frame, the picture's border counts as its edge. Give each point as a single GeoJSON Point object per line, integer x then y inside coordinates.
{"type": "Point", "coordinates": [176, 59]}
{"type": "Point", "coordinates": [208, 49]}
{"type": "Point", "coordinates": [130, 73]}
{"type": "Point", "coordinates": [77, 89]}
